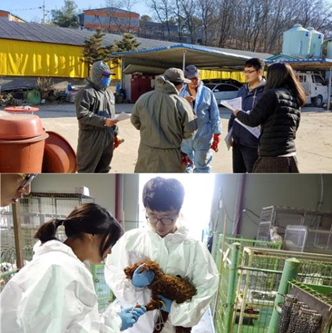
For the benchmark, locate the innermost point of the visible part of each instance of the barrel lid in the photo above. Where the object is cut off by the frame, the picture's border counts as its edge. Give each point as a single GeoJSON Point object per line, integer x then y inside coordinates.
{"type": "Point", "coordinates": [59, 156]}
{"type": "Point", "coordinates": [20, 127]}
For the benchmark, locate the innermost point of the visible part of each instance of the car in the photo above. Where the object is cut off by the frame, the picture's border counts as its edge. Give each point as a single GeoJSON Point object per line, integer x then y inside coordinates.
{"type": "Point", "coordinates": [223, 91]}
{"type": "Point", "coordinates": [229, 81]}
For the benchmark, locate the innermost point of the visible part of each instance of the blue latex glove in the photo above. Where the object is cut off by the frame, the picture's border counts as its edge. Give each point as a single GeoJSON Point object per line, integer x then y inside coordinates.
{"type": "Point", "coordinates": [129, 316]}
{"type": "Point", "coordinates": [167, 303]}
{"type": "Point", "coordinates": [142, 279]}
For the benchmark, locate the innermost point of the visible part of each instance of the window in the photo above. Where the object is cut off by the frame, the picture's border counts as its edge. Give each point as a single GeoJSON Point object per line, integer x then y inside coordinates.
{"type": "Point", "coordinates": [302, 78]}
{"type": "Point", "coordinates": [318, 79]}
{"type": "Point", "coordinates": [226, 87]}
{"type": "Point", "coordinates": [210, 85]}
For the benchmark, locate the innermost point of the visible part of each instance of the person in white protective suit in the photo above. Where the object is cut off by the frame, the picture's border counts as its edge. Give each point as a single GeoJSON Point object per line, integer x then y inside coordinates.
{"type": "Point", "coordinates": [167, 243]}
{"type": "Point", "coordinates": [55, 293]}
{"type": "Point", "coordinates": [199, 147]}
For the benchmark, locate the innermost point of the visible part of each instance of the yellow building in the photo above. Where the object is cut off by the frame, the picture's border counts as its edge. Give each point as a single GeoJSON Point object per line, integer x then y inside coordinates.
{"type": "Point", "coordinates": [40, 50]}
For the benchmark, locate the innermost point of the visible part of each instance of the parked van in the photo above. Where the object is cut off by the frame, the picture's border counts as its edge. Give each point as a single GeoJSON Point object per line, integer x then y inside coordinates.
{"type": "Point", "coordinates": [315, 87]}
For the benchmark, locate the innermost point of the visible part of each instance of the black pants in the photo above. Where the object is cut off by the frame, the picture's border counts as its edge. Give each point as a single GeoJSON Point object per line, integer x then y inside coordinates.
{"type": "Point", "coordinates": [244, 158]}
{"type": "Point", "coordinates": [276, 165]}
{"type": "Point", "coordinates": [94, 152]}
{"type": "Point", "coordinates": [103, 165]}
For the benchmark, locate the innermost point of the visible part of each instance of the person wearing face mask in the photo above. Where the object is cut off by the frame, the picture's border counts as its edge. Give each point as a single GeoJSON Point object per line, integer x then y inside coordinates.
{"type": "Point", "coordinates": [168, 243]}
{"type": "Point", "coordinates": [97, 129]}
{"type": "Point", "coordinates": [55, 291]}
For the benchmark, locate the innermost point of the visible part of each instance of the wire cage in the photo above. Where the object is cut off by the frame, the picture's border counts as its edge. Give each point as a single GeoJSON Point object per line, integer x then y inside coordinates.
{"type": "Point", "coordinates": [227, 261]}
{"type": "Point", "coordinates": [317, 223]}
{"type": "Point", "coordinates": [249, 280]}
{"type": "Point", "coordinates": [260, 272]}
{"type": "Point", "coordinates": [306, 307]}
{"type": "Point", "coordinates": [104, 294]}
{"type": "Point", "coordinates": [36, 209]}
{"type": "Point", "coordinates": [295, 238]}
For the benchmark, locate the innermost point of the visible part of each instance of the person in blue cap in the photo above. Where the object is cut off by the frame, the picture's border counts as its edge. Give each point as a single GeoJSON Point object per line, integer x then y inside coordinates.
{"type": "Point", "coordinates": [198, 148]}
{"type": "Point", "coordinates": [95, 111]}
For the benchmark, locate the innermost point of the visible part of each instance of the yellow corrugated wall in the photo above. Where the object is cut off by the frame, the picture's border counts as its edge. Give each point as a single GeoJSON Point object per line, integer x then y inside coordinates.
{"type": "Point", "coordinates": [21, 58]}
{"type": "Point", "coordinates": [206, 74]}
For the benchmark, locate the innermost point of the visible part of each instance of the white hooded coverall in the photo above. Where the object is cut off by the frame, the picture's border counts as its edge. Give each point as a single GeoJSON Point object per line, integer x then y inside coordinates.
{"type": "Point", "coordinates": [177, 254]}
{"type": "Point", "coordinates": [54, 293]}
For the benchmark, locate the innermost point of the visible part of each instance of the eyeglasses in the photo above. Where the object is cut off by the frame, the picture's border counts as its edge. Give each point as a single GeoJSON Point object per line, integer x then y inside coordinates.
{"type": "Point", "coordinates": [249, 72]}
{"type": "Point", "coordinates": [165, 221]}
{"type": "Point", "coordinates": [27, 179]}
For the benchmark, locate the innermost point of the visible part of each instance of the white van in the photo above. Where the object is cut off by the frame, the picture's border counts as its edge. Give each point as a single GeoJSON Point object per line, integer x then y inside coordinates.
{"type": "Point", "coordinates": [315, 87]}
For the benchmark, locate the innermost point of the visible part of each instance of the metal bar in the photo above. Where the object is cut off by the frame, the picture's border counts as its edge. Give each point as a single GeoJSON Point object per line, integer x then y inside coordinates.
{"type": "Point", "coordinates": [245, 291]}
{"type": "Point", "coordinates": [184, 60]}
{"type": "Point", "coordinates": [8, 274]}
{"type": "Point", "coordinates": [283, 253]}
{"type": "Point", "coordinates": [239, 207]}
{"type": "Point", "coordinates": [265, 270]}
{"type": "Point", "coordinates": [329, 90]}
{"type": "Point", "coordinates": [218, 260]}
{"type": "Point", "coordinates": [290, 272]}
{"type": "Point", "coordinates": [232, 284]}
{"type": "Point", "coordinates": [18, 235]}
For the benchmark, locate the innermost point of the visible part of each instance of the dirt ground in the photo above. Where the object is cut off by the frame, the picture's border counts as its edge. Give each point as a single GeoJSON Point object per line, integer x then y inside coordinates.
{"type": "Point", "coordinates": [314, 138]}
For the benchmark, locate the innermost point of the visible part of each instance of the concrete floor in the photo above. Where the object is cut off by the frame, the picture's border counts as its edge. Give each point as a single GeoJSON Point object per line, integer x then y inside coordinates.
{"type": "Point", "coordinates": [205, 325]}
{"type": "Point", "coordinates": [314, 139]}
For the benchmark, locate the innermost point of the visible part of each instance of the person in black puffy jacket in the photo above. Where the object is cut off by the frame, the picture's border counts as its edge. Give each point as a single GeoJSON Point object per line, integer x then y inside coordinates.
{"type": "Point", "coordinates": [245, 144]}
{"type": "Point", "coordinates": [278, 112]}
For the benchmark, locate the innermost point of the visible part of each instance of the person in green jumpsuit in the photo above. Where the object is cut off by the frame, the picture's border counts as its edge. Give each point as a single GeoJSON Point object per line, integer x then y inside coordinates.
{"type": "Point", "coordinates": [97, 129]}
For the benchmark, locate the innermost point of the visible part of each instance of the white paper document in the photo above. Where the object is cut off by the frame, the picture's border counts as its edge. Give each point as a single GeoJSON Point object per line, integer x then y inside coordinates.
{"type": "Point", "coordinates": [229, 139]}
{"type": "Point", "coordinates": [233, 104]}
{"type": "Point", "coordinates": [236, 104]}
{"type": "Point", "coordinates": [122, 116]}
{"type": "Point", "coordinates": [256, 131]}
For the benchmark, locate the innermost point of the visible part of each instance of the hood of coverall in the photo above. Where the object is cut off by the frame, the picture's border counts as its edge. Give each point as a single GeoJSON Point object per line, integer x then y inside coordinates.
{"type": "Point", "coordinates": [165, 86]}
{"type": "Point", "coordinates": [97, 70]}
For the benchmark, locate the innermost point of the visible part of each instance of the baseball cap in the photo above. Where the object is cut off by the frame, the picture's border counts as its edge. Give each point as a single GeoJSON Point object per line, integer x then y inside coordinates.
{"type": "Point", "coordinates": [108, 72]}
{"type": "Point", "coordinates": [191, 72]}
{"type": "Point", "coordinates": [175, 75]}
{"type": "Point", "coordinates": [104, 67]}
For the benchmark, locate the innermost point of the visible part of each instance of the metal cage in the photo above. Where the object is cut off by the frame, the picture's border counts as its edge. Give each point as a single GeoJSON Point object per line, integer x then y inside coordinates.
{"type": "Point", "coordinates": [318, 224]}
{"type": "Point", "coordinates": [34, 210]}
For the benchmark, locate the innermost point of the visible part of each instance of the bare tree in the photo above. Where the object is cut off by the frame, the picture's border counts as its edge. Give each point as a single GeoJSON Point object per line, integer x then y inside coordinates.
{"type": "Point", "coordinates": [252, 25]}
{"type": "Point", "coordinates": [205, 12]}
{"type": "Point", "coordinates": [163, 10]}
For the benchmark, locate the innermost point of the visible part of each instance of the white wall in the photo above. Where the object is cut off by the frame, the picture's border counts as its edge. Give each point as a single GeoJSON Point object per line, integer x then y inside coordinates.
{"type": "Point", "coordinates": [101, 186]}
{"type": "Point", "coordinates": [300, 191]}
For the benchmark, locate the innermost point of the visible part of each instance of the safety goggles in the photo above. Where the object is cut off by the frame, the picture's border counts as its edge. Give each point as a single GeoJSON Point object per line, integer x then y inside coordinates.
{"type": "Point", "coordinates": [27, 179]}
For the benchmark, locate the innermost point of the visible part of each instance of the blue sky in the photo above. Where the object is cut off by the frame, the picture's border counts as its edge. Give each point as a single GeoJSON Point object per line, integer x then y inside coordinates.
{"type": "Point", "coordinates": [24, 9]}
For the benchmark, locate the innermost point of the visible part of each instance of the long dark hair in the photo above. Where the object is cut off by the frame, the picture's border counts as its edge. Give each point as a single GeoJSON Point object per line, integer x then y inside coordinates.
{"type": "Point", "coordinates": [281, 75]}
{"type": "Point", "coordinates": [162, 194]}
{"type": "Point", "coordinates": [88, 218]}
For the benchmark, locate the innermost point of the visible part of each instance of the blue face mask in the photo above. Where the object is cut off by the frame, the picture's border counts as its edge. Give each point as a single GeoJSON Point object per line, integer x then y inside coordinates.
{"type": "Point", "coordinates": [106, 81]}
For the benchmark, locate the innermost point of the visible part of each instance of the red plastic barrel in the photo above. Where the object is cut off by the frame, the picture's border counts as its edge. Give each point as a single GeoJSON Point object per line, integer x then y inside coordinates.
{"type": "Point", "coordinates": [22, 142]}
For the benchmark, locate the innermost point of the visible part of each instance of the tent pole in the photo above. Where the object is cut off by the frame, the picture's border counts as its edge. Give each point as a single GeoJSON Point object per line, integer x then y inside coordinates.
{"type": "Point", "coordinates": [329, 90]}
{"type": "Point", "coordinates": [184, 60]}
